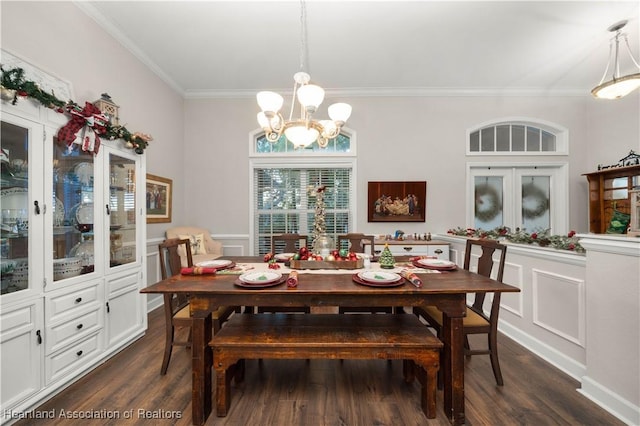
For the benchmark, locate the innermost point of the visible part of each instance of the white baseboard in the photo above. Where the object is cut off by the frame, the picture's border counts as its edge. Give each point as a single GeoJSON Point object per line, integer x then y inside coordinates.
{"type": "Point", "coordinates": [610, 401]}
{"type": "Point", "coordinates": [544, 351]}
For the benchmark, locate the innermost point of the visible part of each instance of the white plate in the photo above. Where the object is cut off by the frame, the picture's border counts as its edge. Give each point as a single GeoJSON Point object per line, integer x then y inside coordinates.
{"type": "Point", "coordinates": [436, 263]}
{"type": "Point", "coordinates": [58, 212]}
{"type": "Point", "coordinates": [84, 214]}
{"type": "Point", "coordinates": [217, 263]}
{"type": "Point", "coordinates": [84, 171]}
{"type": "Point", "coordinates": [283, 257]}
{"type": "Point", "coordinates": [260, 277]}
{"type": "Point", "coordinates": [380, 277]}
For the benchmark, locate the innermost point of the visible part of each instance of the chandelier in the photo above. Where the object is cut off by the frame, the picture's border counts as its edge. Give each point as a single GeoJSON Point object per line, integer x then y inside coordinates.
{"type": "Point", "coordinates": [302, 130]}
{"type": "Point", "coordinates": [618, 86]}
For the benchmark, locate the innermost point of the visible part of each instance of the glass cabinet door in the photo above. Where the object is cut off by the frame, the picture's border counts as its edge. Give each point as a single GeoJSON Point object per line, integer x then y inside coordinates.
{"type": "Point", "coordinates": [14, 200]}
{"type": "Point", "coordinates": [122, 210]}
{"type": "Point", "coordinates": [73, 211]}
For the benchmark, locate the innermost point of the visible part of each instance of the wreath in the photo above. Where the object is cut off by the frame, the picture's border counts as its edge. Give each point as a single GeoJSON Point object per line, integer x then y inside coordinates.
{"type": "Point", "coordinates": [538, 195]}
{"type": "Point", "coordinates": [489, 213]}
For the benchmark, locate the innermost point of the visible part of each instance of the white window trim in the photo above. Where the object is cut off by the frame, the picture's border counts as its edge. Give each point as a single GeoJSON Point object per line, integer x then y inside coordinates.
{"type": "Point", "coordinates": [512, 215]}
{"type": "Point", "coordinates": [561, 133]}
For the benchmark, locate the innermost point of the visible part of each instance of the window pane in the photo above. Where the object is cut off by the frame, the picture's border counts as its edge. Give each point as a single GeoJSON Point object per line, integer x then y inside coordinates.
{"type": "Point", "coordinates": [474, 142]}
{"type": "Point", "coordinates": [536, 206]}
{"type": "Point", "coordinates": [488, 211]}
{"type": "Point", "coordinates": [517, 138]}
{"type": "Point", "coordinates": [533, 139]}
{"type": "Point", "coordinates": [503, 134]}
{"type": "Point", "coordinates": [487, 139]}
{"type": "Point", "coordinates": [548, 142]}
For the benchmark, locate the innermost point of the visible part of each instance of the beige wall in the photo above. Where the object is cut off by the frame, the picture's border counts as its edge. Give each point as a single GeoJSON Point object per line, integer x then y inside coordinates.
{"type": "Point", "coordinates": [62, 40]}
{"type": "Point", "coordinates": [203, 145]}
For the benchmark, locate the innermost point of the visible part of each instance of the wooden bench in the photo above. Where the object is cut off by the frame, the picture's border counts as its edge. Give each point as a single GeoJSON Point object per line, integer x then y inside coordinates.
{"type": "Point", "coordinates": [331, 336]}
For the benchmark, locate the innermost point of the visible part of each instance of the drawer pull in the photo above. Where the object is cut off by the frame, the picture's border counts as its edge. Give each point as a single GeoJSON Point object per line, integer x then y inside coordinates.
{"type": "Point", "coordinates": [79, 299]}
{"type": "Point", "coordinates": [438, 251]}
{"type": "Point", "coordinates": [79, 353]}
{"type": "Point", "coordinates": [79, 326]}
{"type": "Point", "coordinates": [408, 248]}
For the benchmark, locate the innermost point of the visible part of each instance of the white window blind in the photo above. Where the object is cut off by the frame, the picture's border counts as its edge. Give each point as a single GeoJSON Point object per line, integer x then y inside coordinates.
{"type": "Point", "coordinates": [282, 201]}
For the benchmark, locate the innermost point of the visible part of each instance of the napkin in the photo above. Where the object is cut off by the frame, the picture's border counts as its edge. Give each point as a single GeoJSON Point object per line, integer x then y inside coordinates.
{"type": "Point", "coordinates": [411, 277]}
{"type": "Point", "coordinates": [292, 279]}
{"type": "Point", "coordinates": [198, 270]}
{"type": "Point", "coordinates": [423, 257]}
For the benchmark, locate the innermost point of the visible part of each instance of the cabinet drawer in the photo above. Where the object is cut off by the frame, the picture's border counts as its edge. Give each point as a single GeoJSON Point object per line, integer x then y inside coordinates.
{"type": "Point", "coordinates": [74, 358]}
{"type": "Point", "coordinates": [441, 251]}
{"type": "Point", "coordinates": [66, 303]}
{"type": "Point", "coordinates": [64, 333]}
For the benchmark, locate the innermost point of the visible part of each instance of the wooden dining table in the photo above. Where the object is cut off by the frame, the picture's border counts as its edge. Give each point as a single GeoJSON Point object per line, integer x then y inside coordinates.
{"type": "Point", "coordinates": [447, 291]}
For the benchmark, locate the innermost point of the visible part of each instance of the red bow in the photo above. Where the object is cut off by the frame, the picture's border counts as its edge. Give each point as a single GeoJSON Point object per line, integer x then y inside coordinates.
{"type": "Point", "coordinates": [89, 116]}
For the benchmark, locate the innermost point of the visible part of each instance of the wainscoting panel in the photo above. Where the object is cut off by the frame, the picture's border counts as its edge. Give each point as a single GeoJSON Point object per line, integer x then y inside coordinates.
{"type": "Point", "coordinates": [513, 302]}
{"type": "Point", "coordinates": [559, 305]}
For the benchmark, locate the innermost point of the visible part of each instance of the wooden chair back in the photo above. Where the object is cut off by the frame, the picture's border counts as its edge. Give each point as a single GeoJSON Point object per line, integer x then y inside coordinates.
{"type": "Point", "coordinates": [356, 241]}
{"type": "Point", "coordinates": [170, 264]}
{"type": "Point", "coordinates": [484, 267]}
{"type": "Point", "coordinates": [288, 243]}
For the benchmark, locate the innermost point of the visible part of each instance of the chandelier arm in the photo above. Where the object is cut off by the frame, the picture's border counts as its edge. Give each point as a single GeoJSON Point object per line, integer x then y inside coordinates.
{"type": "Point", "coordinates": [606, 71]}
{"type": "Point", "coordinates": [626, 40]}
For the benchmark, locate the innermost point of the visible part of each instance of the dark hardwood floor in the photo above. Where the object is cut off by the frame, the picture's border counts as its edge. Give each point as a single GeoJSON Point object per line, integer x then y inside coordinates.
{"type": "Point", "coordinates": [319, 392]}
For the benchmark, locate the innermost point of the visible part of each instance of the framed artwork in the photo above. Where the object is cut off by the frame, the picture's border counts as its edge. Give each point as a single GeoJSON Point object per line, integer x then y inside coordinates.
{"type": "Point", "coordinates": [158, 199]}
{"type": "Point", "coordinates": [397, 201]}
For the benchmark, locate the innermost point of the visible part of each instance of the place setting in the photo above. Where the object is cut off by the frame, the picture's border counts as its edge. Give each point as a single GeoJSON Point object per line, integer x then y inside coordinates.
{"type": "Point", "coordinates": [435, 264]}
{"type": "Point", "coordinates": [260, 279]}
{"type": "Point", "coordinates": [378, 279]}
{"type": "Point", "coordinates": [208, 267]}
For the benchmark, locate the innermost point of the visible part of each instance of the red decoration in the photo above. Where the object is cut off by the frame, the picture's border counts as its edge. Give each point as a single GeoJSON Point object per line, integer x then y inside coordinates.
{"type": "Point", "coordinates": [89, 116]}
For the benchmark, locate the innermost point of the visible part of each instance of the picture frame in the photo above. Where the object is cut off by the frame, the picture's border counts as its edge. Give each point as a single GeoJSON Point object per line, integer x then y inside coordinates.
{"type": "Point", "coordinates": [397, 201]}
{"type": "Point", "coordinates": [158, 198]}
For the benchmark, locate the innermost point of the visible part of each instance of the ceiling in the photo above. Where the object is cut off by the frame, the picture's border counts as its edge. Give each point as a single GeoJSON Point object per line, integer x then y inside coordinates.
{"type": "Point", "coordinates": [236, 48]}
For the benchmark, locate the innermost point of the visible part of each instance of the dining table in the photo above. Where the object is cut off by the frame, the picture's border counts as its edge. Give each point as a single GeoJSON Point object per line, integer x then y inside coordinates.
{"type": "Point", "coordinates": [325, 288]}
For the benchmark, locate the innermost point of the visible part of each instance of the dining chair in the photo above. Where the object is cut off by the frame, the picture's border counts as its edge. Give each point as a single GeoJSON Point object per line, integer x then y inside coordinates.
{"type": "Point", "coordinates": [355, 242]}
{"type": "Point", "coordinates": [176, 306]}
{"type": "Point", "coordinates": [288, 243]}
{"type": "Point", "coordinates": [476, 321]}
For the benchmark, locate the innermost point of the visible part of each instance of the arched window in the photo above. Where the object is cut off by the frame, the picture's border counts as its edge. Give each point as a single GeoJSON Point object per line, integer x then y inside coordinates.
{"type": "Point", "coordinates": [517, 136]}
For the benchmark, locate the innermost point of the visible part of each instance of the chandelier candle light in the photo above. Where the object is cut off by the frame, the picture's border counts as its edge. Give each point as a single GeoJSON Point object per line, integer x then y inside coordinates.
{"type": "Point", "coordinates": [618, 86]}
{"type": "Point", "coordinates": [302, 131]}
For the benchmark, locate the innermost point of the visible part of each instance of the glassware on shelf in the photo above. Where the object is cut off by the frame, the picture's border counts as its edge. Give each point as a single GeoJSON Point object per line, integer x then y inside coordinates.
{"type": "Point", "coordinates": [85, 251]}
{"type": "Point", "coordinates": [84, 216]}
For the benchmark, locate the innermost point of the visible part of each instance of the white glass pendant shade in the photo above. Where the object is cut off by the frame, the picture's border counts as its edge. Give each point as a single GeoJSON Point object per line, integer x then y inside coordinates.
{"type": "Point", "coordinates": [310, 96]}
{"type": "Point", "coordinates": [263, 121]}
{"type": "Point", "coordinates": [340, 112]}
{"type": "Point", "coordinates": [269, 101]}
{"type": "Point", "coordinates": [300, 135]}
{"type": "Point", "coordinates": [618, 88]}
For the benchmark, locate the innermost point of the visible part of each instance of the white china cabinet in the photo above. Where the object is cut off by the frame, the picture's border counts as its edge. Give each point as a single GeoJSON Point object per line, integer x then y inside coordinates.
{"type": "Point", "coordinates": [72, 252]}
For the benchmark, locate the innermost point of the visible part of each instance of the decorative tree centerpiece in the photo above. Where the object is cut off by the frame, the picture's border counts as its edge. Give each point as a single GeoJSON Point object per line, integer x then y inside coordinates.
{"type": "Point", "coordinates": [322, 244]}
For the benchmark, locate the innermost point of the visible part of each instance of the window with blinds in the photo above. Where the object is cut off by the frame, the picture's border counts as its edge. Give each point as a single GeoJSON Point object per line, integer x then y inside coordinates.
{"type": "Point", "coordinates": [284, 202]}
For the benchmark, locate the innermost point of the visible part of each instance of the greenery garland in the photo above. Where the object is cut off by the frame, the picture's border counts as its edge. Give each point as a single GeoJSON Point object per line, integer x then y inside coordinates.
{"type": "Point", "coordinates": [520, 236]}
{"type": "Point", "coordinates": [494, 198]}
{"type": "Point", "coordinates": [530, 190]}
{"type": "Point", "coordinates": [15, 85]}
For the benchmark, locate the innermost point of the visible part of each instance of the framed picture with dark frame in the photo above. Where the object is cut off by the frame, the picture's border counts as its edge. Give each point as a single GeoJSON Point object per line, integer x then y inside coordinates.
{"type": "Point", "coordinates": [158, 199]}
{"type": "Point", "coordinates": [397, 201]}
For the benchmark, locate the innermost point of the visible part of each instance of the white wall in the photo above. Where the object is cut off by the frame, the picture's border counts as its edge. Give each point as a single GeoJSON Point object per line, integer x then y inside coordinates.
{"type": "Point", "coordinates": [408, 138]}
{"type": "Point", "coordinates": [62, 40]}
{"type": "Point", "coordinates": [203, 144]}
